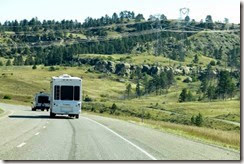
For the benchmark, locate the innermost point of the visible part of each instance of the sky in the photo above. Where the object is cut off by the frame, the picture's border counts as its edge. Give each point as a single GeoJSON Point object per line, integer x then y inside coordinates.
{"type": "Point", "coordinates": [81, 9]}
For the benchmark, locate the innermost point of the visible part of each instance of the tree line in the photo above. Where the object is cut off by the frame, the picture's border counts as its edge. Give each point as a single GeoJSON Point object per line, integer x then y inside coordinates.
{"type": "Point", "coordinates": [146, 84]}
{"type": "Point", "coordinates": [222, 85]}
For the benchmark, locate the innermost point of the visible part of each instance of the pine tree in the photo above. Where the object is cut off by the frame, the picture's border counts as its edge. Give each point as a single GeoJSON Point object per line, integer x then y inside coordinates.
{"type": "Point", "coordinates": [138, 89]}
{"type": "Point", "coordinates": [189, 96]}
{"type": "Point", "coordinates": [128, 90]}
{"type": "Point", "coordinates": [225, 84]}
{"type": "Point", "coordinates": [211, 92]}
{"type": "Point", "coordinates": [198, 120]}
{"type": "Point", "coordinates": [196, 59]}
{"type": "Point", "coordinates": [8, 63]}
{"type": "Point", "coordinates": [183, 95]}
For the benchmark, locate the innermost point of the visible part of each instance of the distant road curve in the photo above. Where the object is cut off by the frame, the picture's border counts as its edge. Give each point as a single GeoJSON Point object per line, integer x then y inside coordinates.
{"type": "Point", "coordinates": [28, 135]}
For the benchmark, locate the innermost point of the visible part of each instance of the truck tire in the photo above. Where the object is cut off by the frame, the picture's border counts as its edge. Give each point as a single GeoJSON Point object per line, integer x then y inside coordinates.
{"type": "Point", "coordinates": [33, 109]}
{"type": "Point", "coordinates": [52, 115]}
{"type": "Point", "coordinates": [77, 116]}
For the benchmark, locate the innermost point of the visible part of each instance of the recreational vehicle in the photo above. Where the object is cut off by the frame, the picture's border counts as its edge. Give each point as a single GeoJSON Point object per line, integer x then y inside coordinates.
{"type": "Point", "coordinates": [41, 101]}
{"type": "Point", "coordinates": [65, 96]}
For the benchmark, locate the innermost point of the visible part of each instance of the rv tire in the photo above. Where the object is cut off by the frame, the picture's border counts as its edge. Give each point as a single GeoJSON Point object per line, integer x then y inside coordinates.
{"type": "Point", "coordinates": [52, 115]}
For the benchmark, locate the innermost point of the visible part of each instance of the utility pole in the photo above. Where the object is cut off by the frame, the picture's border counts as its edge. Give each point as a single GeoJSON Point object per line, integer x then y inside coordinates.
{"type": "Point", "coordinates": [184, 12]}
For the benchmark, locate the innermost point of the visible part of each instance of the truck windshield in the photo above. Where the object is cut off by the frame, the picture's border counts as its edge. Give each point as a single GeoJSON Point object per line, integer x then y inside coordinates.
{"type": "Point", "coordinates": [43, 99]}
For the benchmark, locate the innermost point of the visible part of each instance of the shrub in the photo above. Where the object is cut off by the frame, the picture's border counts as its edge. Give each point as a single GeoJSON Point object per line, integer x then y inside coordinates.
{"type": "Point", "coordinates": [34, 67]}
{"type": "Point", "coordinates": [113, 108]}
{"type": "Point", "coordinates": [218, 63]}
{"type": "Point", "coordinates": [186, 96]}
{"type": "Point", "coordinates": [87, 99]}
{"type": "Point", "coordinates": [52, 68]}
{"type": "Point", "coordinates": [101, 110]}
{"type": "Point", "coordinates": [212, 63]}
{"type": "Point", "coordinates": [178, 78]}
{"type": "Point", "coordinates": [197, 120]}
{"type": "Point", "coordinates": [7, 97]}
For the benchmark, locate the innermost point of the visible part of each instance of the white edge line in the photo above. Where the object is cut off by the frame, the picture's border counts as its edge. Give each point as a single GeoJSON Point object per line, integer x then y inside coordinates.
{"type": "Point", "coordinates": [137, 147]}
{"type": "Point", "coordinates": [20, 145]}
{"type": "Point", "coordinates": [7, 115]}
{"type": "Point", "coordinates": [11, 113]}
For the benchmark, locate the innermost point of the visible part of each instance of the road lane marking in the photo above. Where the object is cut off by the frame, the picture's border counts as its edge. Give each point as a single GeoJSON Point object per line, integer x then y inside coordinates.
{"type": "Point", "coordinates": [137, 147]}
{"type": "Point", "coordinates": [5, 114]}
{"type": "Point", "coordinates": [44, 127]}
{"type": "Point", "coordinates": [37, 133]}
{"type": "Point", "coordinates": [20, 145]}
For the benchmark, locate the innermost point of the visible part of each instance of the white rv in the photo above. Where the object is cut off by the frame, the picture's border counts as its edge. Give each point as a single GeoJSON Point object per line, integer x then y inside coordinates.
{"type": "Point", "coordinates": [65, 96]}
{"type": "Point", "coordinates": [41, 101]}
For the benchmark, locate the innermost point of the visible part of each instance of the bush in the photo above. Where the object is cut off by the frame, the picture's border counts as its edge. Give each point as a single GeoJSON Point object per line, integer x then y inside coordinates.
{"type": "Point", "coordinates": [52, 68]}
{"type": "Point", "coordinates": [87, 99]}
{"type": "Point", "coordinates": [34, 67]}
{"type": "Point", "coordinates": [197, 120]}
{"type": "Point", "coordinates": [7, 97]}
{"type": "Point", "coordinates": [101, 110]}
{"type": "Point", "coordinates": [212, 63]}
{"type": "Point", "coordinates": [186, 96]}
{"type": "Point", "coordinates": [113, 108]}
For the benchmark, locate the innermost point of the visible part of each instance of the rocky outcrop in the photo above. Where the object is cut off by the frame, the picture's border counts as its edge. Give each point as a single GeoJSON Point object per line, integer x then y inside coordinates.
{"type": "Point", "coordinates": [126, 69]}
{"type": "Point", "coordinates": [188, 80]}
{"type": "Point", "coordinates": [123, 69]}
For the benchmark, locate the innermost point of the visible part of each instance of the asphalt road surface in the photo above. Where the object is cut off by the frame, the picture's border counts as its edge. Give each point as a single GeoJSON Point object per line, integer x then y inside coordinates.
{"type": "Point", "coordinates": [28, 135]}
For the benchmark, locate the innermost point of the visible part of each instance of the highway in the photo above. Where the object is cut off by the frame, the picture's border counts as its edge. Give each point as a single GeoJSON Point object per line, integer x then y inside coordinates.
{"type": "Point", "coordinates": [29, 135]}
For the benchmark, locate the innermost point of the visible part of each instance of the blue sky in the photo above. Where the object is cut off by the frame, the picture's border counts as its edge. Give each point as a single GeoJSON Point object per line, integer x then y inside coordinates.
{"type": "Point", "coordinates": [80, 9]}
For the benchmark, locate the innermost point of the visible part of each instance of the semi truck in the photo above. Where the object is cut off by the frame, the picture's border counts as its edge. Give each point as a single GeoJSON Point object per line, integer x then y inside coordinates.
{"type": "Point", "coordinates": [65, 96]}
{"type": "Point", "coordinates": [41, 101]}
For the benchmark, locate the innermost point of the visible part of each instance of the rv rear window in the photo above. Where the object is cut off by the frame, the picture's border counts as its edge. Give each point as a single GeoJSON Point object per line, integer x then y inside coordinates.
{"type": "Point", "coordinates": [66, 92]}
{"type": "Point", "coordinates": [77, 93]}
{"type": "Point", "coordinates": [56, 92]}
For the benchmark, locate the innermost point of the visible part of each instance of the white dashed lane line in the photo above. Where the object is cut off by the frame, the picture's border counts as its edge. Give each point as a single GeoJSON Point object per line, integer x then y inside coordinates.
{"type": "Point", "coordinates": [20, 145]}
{"type": "Point", "coordinates": [44, 127]}
{"type": "Point", "coordinates": [37, 133]}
